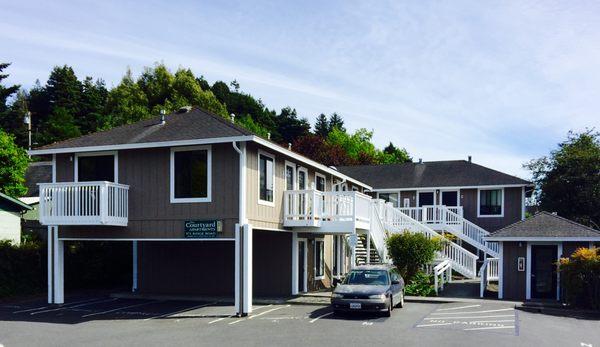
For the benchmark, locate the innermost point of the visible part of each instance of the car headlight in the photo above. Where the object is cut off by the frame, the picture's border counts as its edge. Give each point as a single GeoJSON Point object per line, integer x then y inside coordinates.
{"type": "Point", "coordinates": [377, 296]}
{"type": "Point", "coordinates": [337, 296]}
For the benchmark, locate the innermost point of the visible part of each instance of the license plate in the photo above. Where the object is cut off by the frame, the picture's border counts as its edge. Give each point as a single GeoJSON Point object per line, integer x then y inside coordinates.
{"type": "Point", "coordinates": [355, 305]}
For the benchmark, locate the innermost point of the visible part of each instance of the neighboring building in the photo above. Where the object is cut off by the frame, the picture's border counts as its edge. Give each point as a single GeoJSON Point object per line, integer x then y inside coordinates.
{"type": "Point", "coordinates": [529, 251]}
{"type": "Point", "coordinates": [486, 197]}
{"type": "Point", "coordinates": [11, 210]}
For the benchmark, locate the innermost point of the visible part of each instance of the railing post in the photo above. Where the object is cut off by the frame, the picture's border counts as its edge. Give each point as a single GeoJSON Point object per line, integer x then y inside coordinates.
{"type": "Point", "coordinates": [103, 203]}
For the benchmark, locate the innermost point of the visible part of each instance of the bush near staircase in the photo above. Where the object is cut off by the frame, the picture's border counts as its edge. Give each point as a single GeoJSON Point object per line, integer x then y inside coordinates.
{"type": "Point", "coordinates": [580, 277]}
{"type": "Point", "coordinates": [420, 285]}
{"type": "Point", "coordinates": [410, 252]}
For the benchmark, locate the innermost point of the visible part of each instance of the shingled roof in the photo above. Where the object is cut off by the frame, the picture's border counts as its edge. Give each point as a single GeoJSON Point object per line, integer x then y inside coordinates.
{"type": "Point", "coordinates": [452, 173]}
{"type": "Point", "coordinates": [545, 225]}
{"type": "Point", "coordinates": [179, 126]}
{"type": "Point", "coordinates": [37, 172]}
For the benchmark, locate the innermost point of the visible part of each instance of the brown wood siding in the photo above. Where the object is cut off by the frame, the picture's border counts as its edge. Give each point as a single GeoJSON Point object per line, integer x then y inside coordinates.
{"type": "Point", "coordinates": [512, 209]}
{"type": "Point", "coordinates": [187, 268]}
{"type": "Point", "coordinates": [151, 214]}
{"type": "Point", "coordinates": [265, 216]}
{"type": "Point", "coordinates": [514, 281]}
{"type": "Point", "coordinates": [412, 195]}
{"type": "Point", "coordinates": [272, 263]}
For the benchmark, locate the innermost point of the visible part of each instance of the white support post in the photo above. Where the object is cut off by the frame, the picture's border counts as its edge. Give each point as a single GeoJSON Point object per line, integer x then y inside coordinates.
{"type": "Point", "coordinates": [368, 247]}
{"type": "Point", "coordinates": [50, 242]}
{"type": "Point", "coordinates": [58, 264]}
{"type": "Point", "coordinates": [134, 285]}
{"type": "Point", "coordinates": [295, 263]}
{"type": "Point", "coordinates": [243, 269]}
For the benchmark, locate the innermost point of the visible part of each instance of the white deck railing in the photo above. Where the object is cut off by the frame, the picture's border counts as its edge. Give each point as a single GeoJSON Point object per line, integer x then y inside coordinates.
{"type": "Point", "coordinates": [489, 271]}
{"type": "Point", "coordinates": [312, 207]}
{"type": "Point", "coordinates": [442, 273]}
{"type": "Point", "coordinates": [471, 233]}
{"type": "Point", "coordinates": [84, 203]}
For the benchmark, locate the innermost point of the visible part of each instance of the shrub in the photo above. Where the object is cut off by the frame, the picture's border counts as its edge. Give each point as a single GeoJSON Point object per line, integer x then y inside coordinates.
{"type": "Point", "coordinates": [410, 252]}
{"type": "Point", "coordinates": [580, 276]}
{"type": "Point", "coordinates": [21, 268]}
{"type": "Point", "coordinates": [420, 285]}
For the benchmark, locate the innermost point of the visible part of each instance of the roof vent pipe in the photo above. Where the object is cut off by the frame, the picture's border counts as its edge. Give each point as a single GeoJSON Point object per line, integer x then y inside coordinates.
{"type": "Point", "coordinates": [162, 117]}
{"type": "Point", "coordinates": [184, 109]}
{"type": "Point", "coordinates": [420, 160]}
{"type": "Point", "coordinates": [469, 159]}
{"type": "Point", "coordinates": [289, 146]}
{"type": "Point", "coordinates": [268, 136]}
{"type": "Point", "coordinates": [232, 118]}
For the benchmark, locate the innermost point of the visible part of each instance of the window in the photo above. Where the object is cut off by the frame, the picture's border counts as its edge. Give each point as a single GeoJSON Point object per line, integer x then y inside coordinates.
{"type": "Point", "coordinates": [191, 174]}
{"type": "Point", "coordinates": [390, 197]}
{"type": "Point", "coordinates": [290, 172]}
{"type": "Point", "coordinates": [96, 167]}
{"type": "Point", "coordinates": [320, 182]}
{"type": "Point", "coordinates": [266, 180]}
{"type": "Point", "coordinates": [302, 179]}
{"type": "Point", "coordinates": [491, 203]}
{"type": "Point", "coordinates": [319, 259]}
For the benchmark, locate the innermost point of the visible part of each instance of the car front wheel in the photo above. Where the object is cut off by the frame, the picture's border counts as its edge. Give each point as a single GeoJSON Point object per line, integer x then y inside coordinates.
{"type": "Point", "coordinates": [388, 313]}
{"type": "Point", "coordinates": [401, 302]}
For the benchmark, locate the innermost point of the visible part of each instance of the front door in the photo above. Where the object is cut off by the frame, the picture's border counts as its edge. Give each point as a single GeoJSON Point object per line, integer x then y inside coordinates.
{"type": "Point", "coordinates": [301, 266]}
{"type": "Point", "coordinates": [426, 199]}
{"type": "Point", "coordinates": [543, 271]}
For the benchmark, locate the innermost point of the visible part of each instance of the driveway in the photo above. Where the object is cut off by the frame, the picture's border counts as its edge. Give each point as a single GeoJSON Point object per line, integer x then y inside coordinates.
{"type": "Point", "coordinates": [103, 320]}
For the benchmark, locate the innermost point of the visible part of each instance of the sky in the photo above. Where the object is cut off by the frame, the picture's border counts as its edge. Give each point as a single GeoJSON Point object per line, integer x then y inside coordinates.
{"type": "Point", "coordinates": [501, 81]}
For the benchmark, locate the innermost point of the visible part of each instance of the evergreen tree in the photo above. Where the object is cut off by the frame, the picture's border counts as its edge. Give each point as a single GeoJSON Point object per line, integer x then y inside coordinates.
{"type": "Point", "coordinates": [290, 127]}
{"type": "Point", "coordinates": [5, 92]}
{"type": "Point", "coordinates": [336, 121]}
{"type": "Point", "coordinates": [126, 103]}
{"type": "Point", "coordinates": [322, 126]}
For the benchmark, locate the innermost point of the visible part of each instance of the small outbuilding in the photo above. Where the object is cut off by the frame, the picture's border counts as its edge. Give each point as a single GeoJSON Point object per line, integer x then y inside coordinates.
{"type": "Point", "coordinates": [10, 218]}
{"type": "Point", "coordinates": [530, 250]}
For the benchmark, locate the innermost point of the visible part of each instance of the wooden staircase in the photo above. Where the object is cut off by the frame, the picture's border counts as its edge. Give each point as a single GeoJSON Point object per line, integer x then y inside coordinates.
{"type": "Point", "coordinates": [361, 251]}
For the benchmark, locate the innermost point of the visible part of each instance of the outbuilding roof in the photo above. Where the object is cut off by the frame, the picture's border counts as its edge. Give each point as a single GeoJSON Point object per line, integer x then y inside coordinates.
{"type": "Point", "coordinates": [8, 203]}
{"type": "Point", "coordinates": [451, 173]}
{"type": "Point", "coordinates": [545, 225]}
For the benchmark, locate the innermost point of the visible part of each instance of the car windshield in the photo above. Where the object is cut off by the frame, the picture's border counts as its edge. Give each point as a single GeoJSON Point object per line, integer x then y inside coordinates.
{"type": "Point", "coordinates": [367, 277]}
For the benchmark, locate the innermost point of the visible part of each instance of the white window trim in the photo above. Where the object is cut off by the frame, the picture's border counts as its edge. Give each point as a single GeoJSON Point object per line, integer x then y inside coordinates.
{"type": "Point", "coordinates": [442, 191]}
{"type": "Point", "coordinates": [427, 191]}
{"type": "Point", "coordinates": [390, 193]}
{"type": "Point", "coordinates": [317, 240]}
{"type": "Point", "coordinates": [479, 215]}
{"type": "Point", "coordinates": [317, 174]}
{"type": "Point", "coordinates": [304, 266]}
{"type": "Point", "coordinates": [208, 197]}
{"type": "Point", "coordinates": [294, 175]}
{"type": "Point", "coordinates": [115, 155]}
{"type": "Point", "coordinates": [269, 155]}
{"type": "Point", "coordinates": [305, 170]}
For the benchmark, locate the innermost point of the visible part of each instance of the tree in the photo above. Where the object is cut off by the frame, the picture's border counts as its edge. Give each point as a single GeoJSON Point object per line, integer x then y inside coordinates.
{"type": "Point", "coordinates": [93, 103]}
{"type": "Point", "coordinates": [336, 122]}
{"type": "Point", "coordinates": [322, 126]}
{"type": "Point", "coordinates": [289, 126]}
{"type": "Point", "coordinates": [64, 90]}
{"type": "Point", "coordinates": [14, 161]}
{"type": "Point", "coordinates": [568, 180]}
{"type": "Point", "coordinates": [392, 155]}
{"type": "Point", "coordinates": [411, 251]}
{"type": "Point", "coordinates": [126, 103]}
{"type": "Point", "coordinates": [316, 148]}
{"type": "Point", "coordinates": [60, 126]}
{"type": "Point", "coordinates": [5, 92]}
{"type": "Point", "coordinates": [11, 120]}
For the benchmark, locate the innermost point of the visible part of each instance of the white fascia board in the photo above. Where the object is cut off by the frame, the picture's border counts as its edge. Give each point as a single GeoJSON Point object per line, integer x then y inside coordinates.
{"type": "Point", "coordinates": [541, 239]}
{"type": "Point", "coordinates": [307, 161]}
{"type": "Point", "coordinates": [391, 190]}
{"type": "Point", "coordinates": [141, 145]}
{"type": "Point", "coordinates": [140, 239]}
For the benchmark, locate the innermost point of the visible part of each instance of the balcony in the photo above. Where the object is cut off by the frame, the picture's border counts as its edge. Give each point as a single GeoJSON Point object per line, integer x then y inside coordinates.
{"type": "Point", "coordinates": [84, 203]}
{"type": "Point", "coordinates": [330, 211]}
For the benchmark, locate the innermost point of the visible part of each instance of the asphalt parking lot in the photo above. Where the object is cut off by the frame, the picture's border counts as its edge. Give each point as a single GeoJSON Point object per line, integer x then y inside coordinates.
{"type": "Point", "coordinates": [102, 320]}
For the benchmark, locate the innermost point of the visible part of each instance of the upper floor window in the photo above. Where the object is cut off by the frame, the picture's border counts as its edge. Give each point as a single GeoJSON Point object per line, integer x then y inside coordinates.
{"type": "Point", "coordinates": [491, 203]}
{"type": "Point", "coordinates": [319, 182]}
{"type": "Point", "coordinates": [191, 174]}
{"type": "Point", "coordinates": [266, 180]}
{"type": "Point", "coordinates": [390, 197]}
{"type": "Point", "coordinates": [302, 183]}
{"type": "Point", "coordinates": [101, 166]}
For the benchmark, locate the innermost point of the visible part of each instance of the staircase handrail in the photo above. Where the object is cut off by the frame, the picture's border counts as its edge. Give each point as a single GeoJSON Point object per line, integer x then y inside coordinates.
{"type": "Point", "coordinates": [472, 233]}
{"type": "Point", "coordinates": [377, 232]}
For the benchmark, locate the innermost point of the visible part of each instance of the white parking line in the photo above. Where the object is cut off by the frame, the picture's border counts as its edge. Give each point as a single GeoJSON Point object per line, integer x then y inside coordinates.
{"type": "Point", "coordinates": [432, 325]}
{"type": "Point", "coordinates": [490, 328]}
{"type": "Point", "coordinates": [43, 307]}
{"type": "Point", "coordinates": [118, 309]}
{"type": "Point", "coordinates": [493, 321]}
{"type": "Point", "coordinates": [457, 308]}
{"type": "Point", "coordinates": [476, 317]}
{"type": "Point", "coordinates": [470, 312]}
{"type": "Point", "coordinates": [180, 311]}
{"type": "Point", "coordinates": [260, 314]}
{"type": "Point", "coordinates": [321, 316]}
{"type": "Point", "coordinates": [71, 307]}
{"type": "Point", "coordinates": [220, 319]}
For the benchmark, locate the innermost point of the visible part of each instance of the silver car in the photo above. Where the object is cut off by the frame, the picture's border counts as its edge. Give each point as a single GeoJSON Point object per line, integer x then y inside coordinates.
{"type": "Point", "coordinates": [375, 288]}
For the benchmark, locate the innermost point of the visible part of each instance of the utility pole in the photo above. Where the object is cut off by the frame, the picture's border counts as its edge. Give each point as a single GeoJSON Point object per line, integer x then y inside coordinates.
{"type": "Point", "coordinates": [27, 120]}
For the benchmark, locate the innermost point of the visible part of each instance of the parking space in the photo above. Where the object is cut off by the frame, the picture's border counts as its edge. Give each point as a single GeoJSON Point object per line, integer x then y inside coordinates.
{"type": "Point", "coordinates": [490, 317]}
{"type": "Point", "coordinates": [85, 320]}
